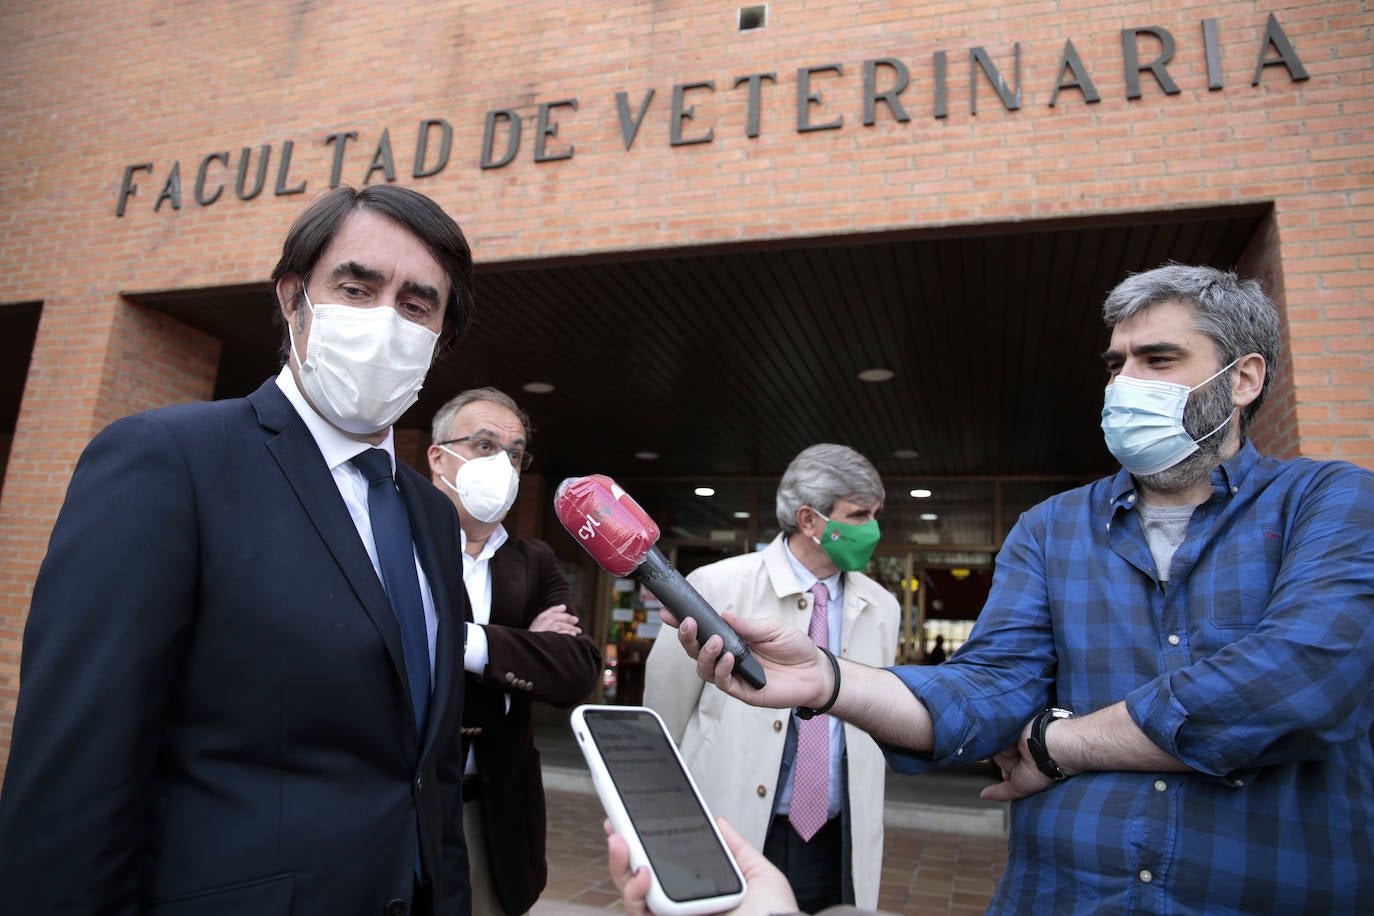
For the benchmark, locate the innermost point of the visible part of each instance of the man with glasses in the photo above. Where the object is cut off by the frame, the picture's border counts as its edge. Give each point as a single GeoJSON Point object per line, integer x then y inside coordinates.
{"type": "Point", "coordinates": [523, 644]}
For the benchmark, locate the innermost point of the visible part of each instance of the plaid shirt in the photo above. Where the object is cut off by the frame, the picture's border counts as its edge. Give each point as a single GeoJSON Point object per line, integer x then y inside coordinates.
{"type": "Point", "coordinates": [1254, 666]}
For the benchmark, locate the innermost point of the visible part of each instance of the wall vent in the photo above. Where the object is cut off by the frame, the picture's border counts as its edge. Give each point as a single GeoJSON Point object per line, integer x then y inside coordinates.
{"type": "Point", "coordinates": [753, 17]}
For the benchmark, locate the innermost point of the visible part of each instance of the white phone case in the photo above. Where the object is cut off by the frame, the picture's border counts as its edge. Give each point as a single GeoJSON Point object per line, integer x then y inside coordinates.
{"type": "Point", "coordinates": [672, 780]}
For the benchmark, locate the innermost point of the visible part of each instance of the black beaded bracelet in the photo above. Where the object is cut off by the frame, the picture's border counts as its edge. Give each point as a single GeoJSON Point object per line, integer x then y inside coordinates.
{"type": "Point", "coordinates": [806, 712]}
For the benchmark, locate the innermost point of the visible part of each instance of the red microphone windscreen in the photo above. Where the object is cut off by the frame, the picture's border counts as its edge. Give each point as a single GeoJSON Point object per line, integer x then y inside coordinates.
{"type": "Point", "coordinates": [606, 521]}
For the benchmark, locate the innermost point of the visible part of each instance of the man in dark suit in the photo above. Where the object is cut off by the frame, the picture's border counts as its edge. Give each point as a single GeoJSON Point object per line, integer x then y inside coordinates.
{"type": "Point", "coordinates": [523, 644]}
{"type": "Point", "coordinates": [223, 708]}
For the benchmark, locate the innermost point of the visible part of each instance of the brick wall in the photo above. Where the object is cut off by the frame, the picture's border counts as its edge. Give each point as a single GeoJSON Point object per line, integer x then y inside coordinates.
{"type": "Point", "coordinates": [1276, 425]}
{"type": "Point", "coordinates": [93, 362]}
{"type": "Point", "coordinates": [90, 89]}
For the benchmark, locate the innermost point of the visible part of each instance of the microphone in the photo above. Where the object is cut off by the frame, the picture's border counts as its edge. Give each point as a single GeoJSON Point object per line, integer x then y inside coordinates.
{"type": "Point", "coordinates": [621, 538]}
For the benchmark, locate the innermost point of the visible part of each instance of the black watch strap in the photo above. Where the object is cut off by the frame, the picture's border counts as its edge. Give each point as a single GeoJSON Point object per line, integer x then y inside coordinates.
{"type": "Point", "coordinates": [806, 712]}
{"type": "Point", "coordinates": [1036, 742]}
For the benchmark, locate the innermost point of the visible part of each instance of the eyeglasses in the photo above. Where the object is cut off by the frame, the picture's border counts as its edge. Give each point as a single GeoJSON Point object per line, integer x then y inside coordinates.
{"type": "Point", "coordinates": [483, 446]}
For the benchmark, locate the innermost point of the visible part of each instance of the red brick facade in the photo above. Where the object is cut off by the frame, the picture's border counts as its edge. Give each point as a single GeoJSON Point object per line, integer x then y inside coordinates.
{"type": "Point", "coordinates": [90, 90]}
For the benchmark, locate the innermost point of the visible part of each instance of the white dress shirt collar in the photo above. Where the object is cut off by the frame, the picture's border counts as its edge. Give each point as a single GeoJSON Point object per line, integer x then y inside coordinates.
{"type": "Point", "coordinates": [335, 445]}
{"type": "Point", "coordinates": [806, 578]}
{"type": "Point", "coordinates": [493, 544]}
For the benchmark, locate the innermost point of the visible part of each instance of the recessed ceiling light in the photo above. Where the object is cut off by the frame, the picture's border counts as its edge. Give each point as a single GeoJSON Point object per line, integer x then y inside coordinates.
{"type": "Point", "coordinates": [741, 515]}
{"type": "Point", "coordinates": [647, 456]}
{"type": "Point", "coordinates": [537, 387]}
{"type": "Point", "coordinates": [876, 375]}
{"type": "Point", "coordinates": [921, 493]}
{"type": "Point", "coordinates": [704, 491]}
{"type": "Point", "coordinates": [928, 516]}
{"type": "Point", "coordinates": [906, 453]}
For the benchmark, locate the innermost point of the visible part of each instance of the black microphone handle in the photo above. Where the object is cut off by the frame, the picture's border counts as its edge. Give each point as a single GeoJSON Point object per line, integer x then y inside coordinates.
{"type": "Point", "coordinates": [678, 596]}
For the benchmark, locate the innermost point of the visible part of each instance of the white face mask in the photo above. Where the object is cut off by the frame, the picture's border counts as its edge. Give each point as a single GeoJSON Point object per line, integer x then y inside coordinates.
{"type": "Point", "coordinates": [363, 367]}
{"type": "Point", "coordinates": [487, 486]}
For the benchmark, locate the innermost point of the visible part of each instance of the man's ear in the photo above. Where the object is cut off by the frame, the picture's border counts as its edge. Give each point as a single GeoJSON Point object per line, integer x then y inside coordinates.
{"type": "Point", "coordinates": [807, 519]}
{"type": "Point", "coordinates": [1249, 380]}
{"type": "Point", "coordinates": [289, 295]}
{"type": "Point", "coordinates": [435, 454]}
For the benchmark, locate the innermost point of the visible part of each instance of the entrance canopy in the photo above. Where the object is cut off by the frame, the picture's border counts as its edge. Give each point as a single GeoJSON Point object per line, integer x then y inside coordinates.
{"type": "Point", "coordinates": [723, 363]}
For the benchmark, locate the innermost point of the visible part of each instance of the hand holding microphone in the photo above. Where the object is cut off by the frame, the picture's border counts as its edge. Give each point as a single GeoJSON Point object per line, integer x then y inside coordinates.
{"type": "Point", "coordinates": [621, 538]}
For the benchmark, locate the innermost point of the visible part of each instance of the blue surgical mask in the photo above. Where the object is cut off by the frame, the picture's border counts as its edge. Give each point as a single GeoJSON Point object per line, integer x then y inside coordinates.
{"type": "Point", "coordinates": [1142, 421]}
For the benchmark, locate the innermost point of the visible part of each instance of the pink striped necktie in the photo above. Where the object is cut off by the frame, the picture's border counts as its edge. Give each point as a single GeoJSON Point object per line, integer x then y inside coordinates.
{"type": "Point", "coordinates": [811, 772]}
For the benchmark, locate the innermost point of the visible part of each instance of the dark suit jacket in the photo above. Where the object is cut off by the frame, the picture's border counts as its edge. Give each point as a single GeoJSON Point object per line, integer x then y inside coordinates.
{"type": "Point", "coordinates": [214, 717]}
{"type": "Point", "coordinates": [525, 580]}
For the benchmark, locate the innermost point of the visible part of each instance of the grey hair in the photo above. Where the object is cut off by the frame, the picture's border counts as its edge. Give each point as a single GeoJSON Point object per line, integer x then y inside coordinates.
{"type": "Point", "coordinates": [1236, 314]}
{"type": "Point", "coordinates": [443, 420]}
{"type": "Point", "coordinates": [821, 476]}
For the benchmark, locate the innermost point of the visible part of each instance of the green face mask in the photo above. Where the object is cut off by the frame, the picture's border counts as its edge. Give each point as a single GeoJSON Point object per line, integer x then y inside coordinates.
{"type": "Point", "coordinates": [849, 547]}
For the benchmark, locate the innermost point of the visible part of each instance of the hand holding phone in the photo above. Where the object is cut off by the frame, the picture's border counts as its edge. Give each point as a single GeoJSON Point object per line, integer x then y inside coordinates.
{"type": "Point", "coordinates": [768, 889]}
{"type": "Point", "coordinates": [654, 805]}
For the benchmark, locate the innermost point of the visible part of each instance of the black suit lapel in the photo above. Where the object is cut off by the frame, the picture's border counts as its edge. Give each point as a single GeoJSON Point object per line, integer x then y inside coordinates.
{"type": "Point", "coordinates": [299, 459]}
{"type": "Point", "coordinates": [439, 572]}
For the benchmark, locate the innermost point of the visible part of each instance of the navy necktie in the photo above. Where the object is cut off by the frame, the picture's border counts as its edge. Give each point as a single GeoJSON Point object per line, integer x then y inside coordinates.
{"type": "Point", "coordinates": [396, 554]}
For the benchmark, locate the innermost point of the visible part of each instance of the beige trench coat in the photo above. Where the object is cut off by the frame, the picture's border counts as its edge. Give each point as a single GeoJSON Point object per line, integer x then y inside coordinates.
{"type": "Point", "coordinates": [735, 750]}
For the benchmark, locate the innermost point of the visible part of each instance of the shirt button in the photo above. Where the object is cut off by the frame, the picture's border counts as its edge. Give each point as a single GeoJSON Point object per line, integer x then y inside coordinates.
{"type": "Point", "coordinates": [510, 677]}
{"type": "Point", "coordinates": [1235, 489]}
{"type": "Point", "coordinates": [1146, 875]}
{"type": "Point", "coordinates": [763, 791]}
{"type": "Point", "coordinates": [777, 725]}
{"type": "Point", "coordinates": [419, 783]}
{"type": "Point", "coordinates": [959, 753]}
{"type": "Point", "coordinates": [1237, 782]}
{"type": "Point", "coordinates": [395, 908]}
{"type": "Point", "coordinates": [1173, 639]}
{"type": "Point", "coordinates": [1160, 785]}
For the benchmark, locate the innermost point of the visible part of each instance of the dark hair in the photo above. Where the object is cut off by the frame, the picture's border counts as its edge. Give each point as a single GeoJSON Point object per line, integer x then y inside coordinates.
{"type": "Point", "coordinates": [1236, 314]}
{"type": "Point", "coordinates": [314, 229]}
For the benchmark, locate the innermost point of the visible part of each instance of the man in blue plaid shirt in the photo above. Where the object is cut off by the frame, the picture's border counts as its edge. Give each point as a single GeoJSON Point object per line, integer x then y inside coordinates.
{"type": "Point", "coordinates": [1175, 666]}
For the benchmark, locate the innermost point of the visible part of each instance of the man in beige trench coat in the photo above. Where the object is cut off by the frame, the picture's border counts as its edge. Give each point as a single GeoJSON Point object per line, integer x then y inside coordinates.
{"type": "Point", "coordinates": [745, 759]}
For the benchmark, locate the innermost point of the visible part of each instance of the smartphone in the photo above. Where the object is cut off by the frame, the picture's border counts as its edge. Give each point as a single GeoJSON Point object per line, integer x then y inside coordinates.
{"type": "Point", "coordinates": [653, 803]}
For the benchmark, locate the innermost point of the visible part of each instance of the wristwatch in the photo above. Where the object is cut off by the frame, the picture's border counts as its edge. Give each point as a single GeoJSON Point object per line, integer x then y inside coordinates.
{"type": "Point", "coordinates": [1036, 742]}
